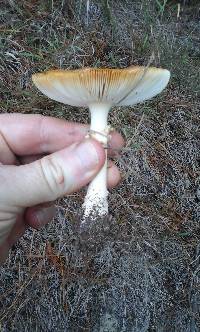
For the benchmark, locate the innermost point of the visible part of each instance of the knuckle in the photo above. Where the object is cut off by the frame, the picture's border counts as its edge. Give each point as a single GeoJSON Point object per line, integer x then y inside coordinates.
{"type": "Point", "coordinates": [53, 175]}
{"type": "Point", "coordinates": [43, 133]}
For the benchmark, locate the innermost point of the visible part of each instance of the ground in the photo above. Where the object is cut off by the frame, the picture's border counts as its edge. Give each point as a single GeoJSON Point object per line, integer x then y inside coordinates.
{"type": "Point", "coordinates": [139, 270]}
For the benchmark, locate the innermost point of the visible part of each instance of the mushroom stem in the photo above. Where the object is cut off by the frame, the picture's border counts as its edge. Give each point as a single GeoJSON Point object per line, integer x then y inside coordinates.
{"type": "Point", "coordinates": [95, 203]}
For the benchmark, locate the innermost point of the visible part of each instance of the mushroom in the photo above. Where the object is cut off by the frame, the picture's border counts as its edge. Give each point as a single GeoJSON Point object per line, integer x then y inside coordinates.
{"type": "Point", "coordinates": [99, 90]}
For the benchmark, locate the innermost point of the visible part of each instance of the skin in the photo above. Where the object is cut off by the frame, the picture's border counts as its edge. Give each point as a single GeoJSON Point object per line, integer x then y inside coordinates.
{"type": "Point", "coordinates": [42, 159]}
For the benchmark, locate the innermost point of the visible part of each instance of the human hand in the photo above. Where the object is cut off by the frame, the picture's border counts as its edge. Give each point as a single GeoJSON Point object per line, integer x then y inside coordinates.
{"type": "Point", "coordinates": [42, 159]}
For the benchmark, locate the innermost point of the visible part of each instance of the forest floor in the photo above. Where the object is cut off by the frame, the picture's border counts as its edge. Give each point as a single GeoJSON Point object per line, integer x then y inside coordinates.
{"type": "Point", "coordinates": [140, 270]}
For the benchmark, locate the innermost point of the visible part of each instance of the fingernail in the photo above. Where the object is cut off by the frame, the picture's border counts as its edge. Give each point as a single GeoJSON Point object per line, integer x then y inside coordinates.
{"type": "Point", "coordinates": [88, 155]}
{"type": "Point", "coordinates": [43, 216]}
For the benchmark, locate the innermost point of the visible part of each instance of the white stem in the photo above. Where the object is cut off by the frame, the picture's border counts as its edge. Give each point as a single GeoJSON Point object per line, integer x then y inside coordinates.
{"type": "Point", "coordinates": [95, 203]}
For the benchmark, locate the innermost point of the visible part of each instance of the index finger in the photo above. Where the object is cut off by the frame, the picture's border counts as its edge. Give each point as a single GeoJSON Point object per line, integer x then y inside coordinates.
{"type": "Point", "coordinates": [28, 134]}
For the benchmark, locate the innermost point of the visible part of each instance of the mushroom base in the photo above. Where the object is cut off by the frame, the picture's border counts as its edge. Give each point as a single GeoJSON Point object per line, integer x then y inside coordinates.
{"type": "Point", "coordinates": [96, 203]}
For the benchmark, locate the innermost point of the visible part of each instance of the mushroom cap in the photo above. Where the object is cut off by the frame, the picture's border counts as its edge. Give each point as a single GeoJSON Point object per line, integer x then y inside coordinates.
{"type": "Point", "coordinates": [82, 87]}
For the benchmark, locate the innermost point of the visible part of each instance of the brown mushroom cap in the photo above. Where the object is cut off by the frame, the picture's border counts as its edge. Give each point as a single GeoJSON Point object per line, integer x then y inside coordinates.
{"type": "Point", "coordinates": [83, 87]}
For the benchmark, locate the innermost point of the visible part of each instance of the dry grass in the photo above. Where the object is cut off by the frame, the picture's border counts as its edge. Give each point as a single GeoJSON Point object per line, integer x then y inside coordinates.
{"type": "Point", "coordinates": [139, 269]}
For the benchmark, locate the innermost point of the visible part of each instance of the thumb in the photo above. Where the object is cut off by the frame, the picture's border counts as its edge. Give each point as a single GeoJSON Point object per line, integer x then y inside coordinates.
{"type": "Point", "coordinates": [51, 177]}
